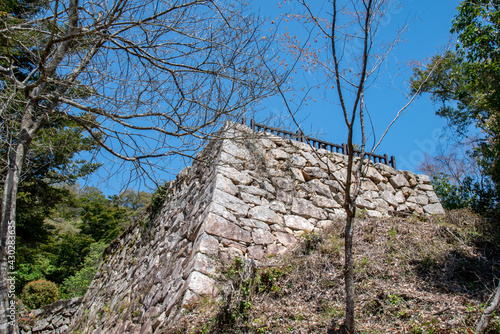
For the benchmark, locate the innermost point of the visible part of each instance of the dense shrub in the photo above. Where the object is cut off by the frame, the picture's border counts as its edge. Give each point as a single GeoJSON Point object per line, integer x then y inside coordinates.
{"type": "Point", "coordinates": [39, 293]}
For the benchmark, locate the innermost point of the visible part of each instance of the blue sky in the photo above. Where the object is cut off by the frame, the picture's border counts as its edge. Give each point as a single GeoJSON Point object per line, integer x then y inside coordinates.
{"type": "Point", "coordinates": [416, 132]}
{"type": "Point", "coordinates": [419, 129]}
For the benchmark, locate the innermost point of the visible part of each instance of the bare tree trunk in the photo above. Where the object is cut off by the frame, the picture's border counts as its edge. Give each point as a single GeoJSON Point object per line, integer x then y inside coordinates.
{"type": "Point", "coordinates": [8, 321]}
{"type": "Point", "coordinates": [28, 128]}
{"type": "Point", "coordinates": [349, 276]}
{"type": "Point", "coordinates": [488, 313]}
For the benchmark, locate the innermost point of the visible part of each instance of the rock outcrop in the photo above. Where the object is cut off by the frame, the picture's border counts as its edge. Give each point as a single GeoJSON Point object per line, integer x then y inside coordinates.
{"type": "Point", "coordinates": [246, 195]}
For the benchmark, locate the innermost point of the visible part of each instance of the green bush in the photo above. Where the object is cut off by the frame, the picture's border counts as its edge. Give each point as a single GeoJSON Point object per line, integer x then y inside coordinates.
{"type": "Point", "coordinates": [39, 293]}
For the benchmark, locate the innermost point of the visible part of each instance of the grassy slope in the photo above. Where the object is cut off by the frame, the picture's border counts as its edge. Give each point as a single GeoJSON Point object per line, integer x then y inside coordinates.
{"type": "Point", "coordinates": [413, 276]}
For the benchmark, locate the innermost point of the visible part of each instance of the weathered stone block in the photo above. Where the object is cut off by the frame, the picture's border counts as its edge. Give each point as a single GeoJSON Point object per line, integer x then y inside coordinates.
{"type": "Point", "coordinates": [265, 214]}
{"type": "Point", "coordinates": [434, 209]}
{"type": "Point", "coordinates": [285, 238]}
{"type": "Point", "coordinates": [219, 226]}
{"type": "Point", "coordinates": [423, 179]}
{"type": "Point", "coordinates": [226, 185]}
{"type": "Point", "coordinates": [235, 175]}
{"type": "Point", "coordinates": [231, 202]}
{"type": "Point", "coordinates": [200, 284]}
{"type": "Point", "coordinates": [399, 181]}
{"type": "Point", "coordinates": [305, 208]}
{"type": "Point", "coordinates": [278, 154]}
{"type": "Point", "coordinates": [262, 237]}
{"type": "Point", "coordinates": [323, 202]}
{"type": "Point", "coordinates": [374, 175]}
{"type": "Point", "coordinates": [298, 223]}
{"type": "Point", "coordinates": [389, 198]}
{"type": "Point", "coordinates": [316, 186]}
{"type": "Point", "coordinates": [256, 252]}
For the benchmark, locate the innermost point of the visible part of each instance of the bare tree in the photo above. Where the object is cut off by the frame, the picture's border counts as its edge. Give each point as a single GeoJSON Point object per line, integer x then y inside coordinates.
{"type": "Point", "coordinates": [145, 79]}
{"type": "Point", "coordinates": [346, 30]}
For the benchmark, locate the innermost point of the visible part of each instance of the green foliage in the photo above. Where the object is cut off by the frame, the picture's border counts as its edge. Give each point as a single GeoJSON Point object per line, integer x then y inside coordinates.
{"type": "Point", "coordinates": [76, 231]}
{"type": "Point", "coordinates": [466, 83]}
{"type": "Point", "coordinates": [39, 293]}
{"type": "Point", "coordinates": [101, 219]}
{"type": "Point", "coordinates": [479, 196]}
{"type": "Point", "coordinates": [78, 284]}
{"type": "Point", "coordinates": [69, 253]}
{"type": "Point", "coordinates": [158, 198]}
{"type": "Point", "coordinates": [311, 242]}
{"type": "Point", "coordinates": [268, 279]}
{"type": "Point", "coordinates": [39, 266]}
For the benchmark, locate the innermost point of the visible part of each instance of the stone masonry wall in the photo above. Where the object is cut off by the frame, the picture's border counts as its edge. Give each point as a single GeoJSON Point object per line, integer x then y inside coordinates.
{"type": "Point", "coordinates": [53, 318]}
{"type": "Point", "coordinates": [247, 195]}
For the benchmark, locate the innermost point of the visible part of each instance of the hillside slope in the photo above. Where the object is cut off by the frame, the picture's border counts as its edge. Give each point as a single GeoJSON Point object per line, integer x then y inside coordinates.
{"type": "Point", "coordinates": [412, 276]}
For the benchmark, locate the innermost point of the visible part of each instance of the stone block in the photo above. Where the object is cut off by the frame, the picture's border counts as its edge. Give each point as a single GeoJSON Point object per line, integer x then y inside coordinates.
{"type": "Point", "coordinates": [399, 181]}
{"type": "Point", "coordinates": [219, 226]}
{"type": "Point", "coordinates": [424, 179]}
{"type": "Point", "coordinates": [323, 202]}
{"type": "Point", "coordinates": [256, 252]}
{"type": "Point", "coordinates": [253, 190]}
{"type": "Point", "coordinates": [278, 154]}
{"type": "Point", "coordinates": [285, 238]}
{"type": "Point", "coordinates": [314, 173]}
{"type": "Point", "coordinates": [389, 198]}
{"type": "Point", "coordinates": [275, 249]}
{"type": "Point", "coordinates": [297, 160]}
{"type": "Point", "coordinates": [425, 187]}
{"type": "Point", "coordinates": [231, 202]}
{"type": "Point", "coordinates": [236, 150]}
{"type": "Point", "coordinates": [262, 237]}
{"type": "Point", "coordinates": [432, 197]}
{"type": "Point", "coordinates": [226, 185]}
{"type": "Point", "coordinates": [305, 208]}
{"type": "Point", "coordinates": [278, 206]}
{"type": "Point", "coordinates": [374, 175]}
{"type": "Point", "coordinates": [235, 175]}
{"type": "Point", "coordinates": [434, 209]}
{"type": "Point", "coordinates": [316, 186]}
{"type": "Point", "coordinates": [365, 204]}
{"type": "Point", "coordinates": [298, 223]}
{"type": "Point", "coordinates": [265, 214]}
{"type": "Point", "coordinates": [251, 199]}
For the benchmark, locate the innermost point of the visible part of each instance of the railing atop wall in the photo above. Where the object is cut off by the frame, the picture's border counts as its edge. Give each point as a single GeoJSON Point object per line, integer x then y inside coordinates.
{"type": "Point", "coordinates": [316, 143]}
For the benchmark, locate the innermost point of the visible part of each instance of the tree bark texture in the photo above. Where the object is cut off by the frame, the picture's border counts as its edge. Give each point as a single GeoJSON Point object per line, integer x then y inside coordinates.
{"type": "Point", "coordinates": [484, 322]}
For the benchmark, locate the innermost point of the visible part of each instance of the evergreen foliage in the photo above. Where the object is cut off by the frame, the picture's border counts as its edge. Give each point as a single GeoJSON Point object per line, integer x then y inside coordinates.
{"type": "Point", "coordinates": [466, 84]}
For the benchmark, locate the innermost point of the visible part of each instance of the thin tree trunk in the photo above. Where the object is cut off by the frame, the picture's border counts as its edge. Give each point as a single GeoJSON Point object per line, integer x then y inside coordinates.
{"type": "Point", "coordinates": [349, 276]}
{"type": "Point", "coordinates": [8, 321]}
{"type": "Point", "coordinates": [28, 128]}
{"type": "Point", "coordinates": [488, 313]}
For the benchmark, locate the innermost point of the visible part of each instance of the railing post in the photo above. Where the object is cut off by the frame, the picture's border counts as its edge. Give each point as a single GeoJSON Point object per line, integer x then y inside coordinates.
{"type": "Point", "coordinates": [386, 158]}
{"type": "Point", "coordinates": [393, 162]}
{"type": "Point", "coordinates": [344, 148]}
{"type": "Point", "coordinates": [243, 121]}
{"type": "Point", "coordinates": [252, 124]}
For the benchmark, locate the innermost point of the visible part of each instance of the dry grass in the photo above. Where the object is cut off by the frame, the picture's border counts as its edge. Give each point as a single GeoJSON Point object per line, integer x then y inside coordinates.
{"type": "Point", "coordinates": [412, 276]}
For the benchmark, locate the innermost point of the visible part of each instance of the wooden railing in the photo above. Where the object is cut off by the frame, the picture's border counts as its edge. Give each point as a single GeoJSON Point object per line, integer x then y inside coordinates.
{"type": "Point", "coordinates": [316, 143]}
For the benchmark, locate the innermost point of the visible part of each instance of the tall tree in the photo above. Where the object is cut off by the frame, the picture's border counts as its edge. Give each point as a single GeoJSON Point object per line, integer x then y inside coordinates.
{"type": "Point", "coordinates": [342, 45]}
{"type": "Point", "coordinates": [145, 80]}
{"type": "Point", "coordinates": [466, 83]}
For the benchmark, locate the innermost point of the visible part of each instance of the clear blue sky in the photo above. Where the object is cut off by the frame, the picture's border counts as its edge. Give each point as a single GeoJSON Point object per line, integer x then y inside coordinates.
{"type": "Point", "coordinates": [416, 132]}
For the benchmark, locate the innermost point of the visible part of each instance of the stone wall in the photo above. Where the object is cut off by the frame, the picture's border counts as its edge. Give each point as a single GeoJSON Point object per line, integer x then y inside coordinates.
{"type": "Point", "coordinates": [248, 195]}
{"type": "Point", "coordinates": [53, 318]}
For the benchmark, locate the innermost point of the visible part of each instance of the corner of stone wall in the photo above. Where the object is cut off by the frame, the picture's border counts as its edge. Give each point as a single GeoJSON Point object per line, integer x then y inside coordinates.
{"type": "Point", "coordinates": [247, 195]}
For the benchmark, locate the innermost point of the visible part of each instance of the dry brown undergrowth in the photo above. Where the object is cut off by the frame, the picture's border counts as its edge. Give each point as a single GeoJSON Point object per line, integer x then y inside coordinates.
{"type": "Point", "coordinates": [412, 276]}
